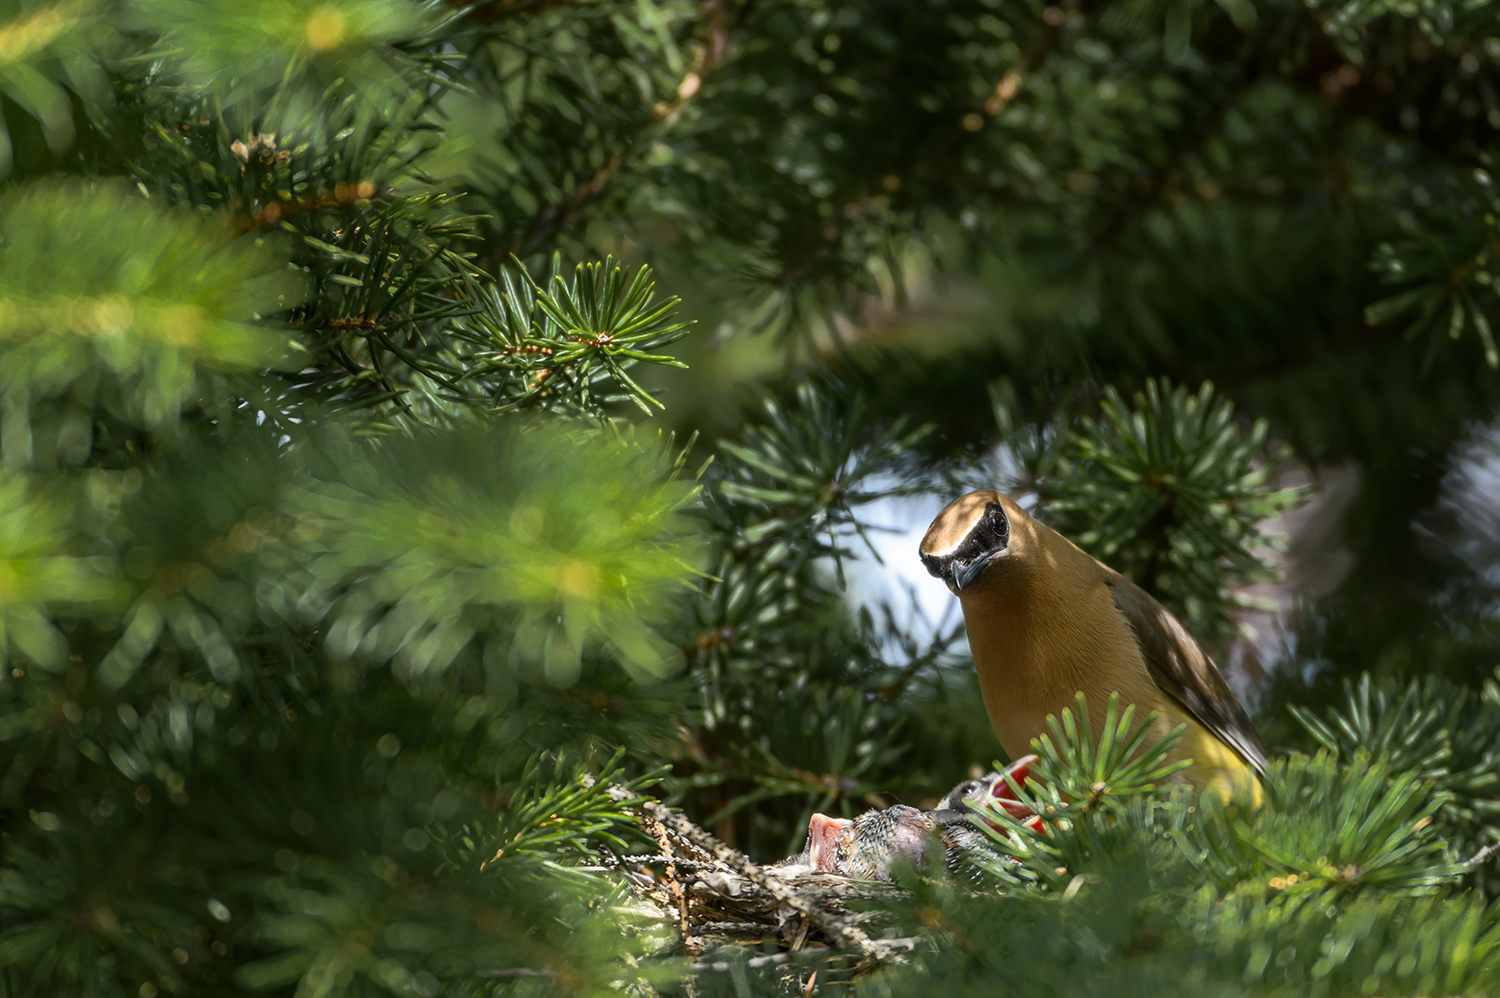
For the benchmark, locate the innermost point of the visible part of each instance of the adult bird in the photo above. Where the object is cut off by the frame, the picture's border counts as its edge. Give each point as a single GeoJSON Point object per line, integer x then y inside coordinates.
{"type": "Point", "coordinates": [1046, 620]}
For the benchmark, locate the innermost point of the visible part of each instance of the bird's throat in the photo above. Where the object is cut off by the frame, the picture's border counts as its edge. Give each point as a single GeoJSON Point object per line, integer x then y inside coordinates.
{"type": "Point", "coordinates": [1012, 660]}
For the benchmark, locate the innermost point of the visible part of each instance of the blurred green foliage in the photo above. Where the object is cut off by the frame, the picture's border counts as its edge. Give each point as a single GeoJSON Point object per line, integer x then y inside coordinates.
{"type": "Point", "coordinates": [109, 300]}
{"type": "Point", "coordinates": [277, 61]}
{"type": "Point", "coordinates": [37, 572]}
{"type": "Point", "coordinates": [398, 560]}
{"type": "Point", "coordinates": [50, 58]}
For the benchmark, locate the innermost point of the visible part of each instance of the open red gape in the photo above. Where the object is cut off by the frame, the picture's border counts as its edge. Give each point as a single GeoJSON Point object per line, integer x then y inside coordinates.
{"type": "Point", "coordinates": [1002, 793]}
{"type": "Point", "coordinates": [822, 842]}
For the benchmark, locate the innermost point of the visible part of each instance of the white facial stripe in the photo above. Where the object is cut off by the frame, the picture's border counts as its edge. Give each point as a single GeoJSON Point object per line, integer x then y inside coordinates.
{"type": "Point", "coordinates": [951, 548]}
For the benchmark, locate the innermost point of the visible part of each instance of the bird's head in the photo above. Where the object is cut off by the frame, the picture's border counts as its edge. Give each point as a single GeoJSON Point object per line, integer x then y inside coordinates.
{"type": "Point", "coordinates": [971, 535]}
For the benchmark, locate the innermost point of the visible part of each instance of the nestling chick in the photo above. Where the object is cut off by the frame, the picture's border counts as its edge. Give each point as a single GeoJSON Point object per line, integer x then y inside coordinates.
{"type": "Point", "coordinates": [867, 847]}
{"type": "Point", "coordinates": [1046, 620]}
{"type": "Point", "coordinates": [955, 813]}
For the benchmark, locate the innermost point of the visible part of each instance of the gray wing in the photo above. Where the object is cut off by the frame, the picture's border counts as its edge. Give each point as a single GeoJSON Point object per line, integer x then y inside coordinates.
{"type": "Point", "coordinates": [1181, 669]}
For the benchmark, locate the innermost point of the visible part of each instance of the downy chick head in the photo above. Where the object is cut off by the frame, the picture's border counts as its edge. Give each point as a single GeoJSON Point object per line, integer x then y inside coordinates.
{"type": "Point", "coordinates": [977, 539]}
{"type": "Point", "coordinates": [867, 847]}
{"type": "Point", "coordinates": [872, 844]}
{"type": "Point", "coordinates": [972, 794]}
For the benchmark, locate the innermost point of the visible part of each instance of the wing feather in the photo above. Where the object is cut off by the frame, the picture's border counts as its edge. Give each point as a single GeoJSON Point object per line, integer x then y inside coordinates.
{"type": "Point", "coordinates": [1181, 669]}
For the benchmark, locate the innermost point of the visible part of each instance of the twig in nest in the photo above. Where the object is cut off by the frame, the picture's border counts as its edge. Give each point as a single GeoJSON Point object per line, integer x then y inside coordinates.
{"type": "Point", "coordinates": [753, 963]}
{"type": "Point", "coordinates": [674, 883]}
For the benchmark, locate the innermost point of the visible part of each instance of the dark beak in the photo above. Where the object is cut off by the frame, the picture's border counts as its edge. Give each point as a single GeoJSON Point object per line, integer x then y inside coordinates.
{"type": "Point", "coordinates": [964, 575]}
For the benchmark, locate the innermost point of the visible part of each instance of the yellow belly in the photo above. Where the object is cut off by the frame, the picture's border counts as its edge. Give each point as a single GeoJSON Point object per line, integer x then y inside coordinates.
{"type": "Point", "coordinates": [1215, 765]}
{"type": "Point", "coordinates": [1018, 714]}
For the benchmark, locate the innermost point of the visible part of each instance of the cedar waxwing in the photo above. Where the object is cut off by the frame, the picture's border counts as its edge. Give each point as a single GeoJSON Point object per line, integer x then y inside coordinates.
{"type": "Point", "coordinates": [1046, 620]}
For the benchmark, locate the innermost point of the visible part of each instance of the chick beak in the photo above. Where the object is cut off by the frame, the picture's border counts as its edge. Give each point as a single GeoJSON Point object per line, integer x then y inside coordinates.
{"type": "Point", "coordinates": [822, 842]}
{"type": "Point", "coordinates": [964, 575]}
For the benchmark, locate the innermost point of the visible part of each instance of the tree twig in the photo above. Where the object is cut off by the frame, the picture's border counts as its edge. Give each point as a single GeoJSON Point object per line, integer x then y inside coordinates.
{"type": "Point", "coordinates": [1484, 855]}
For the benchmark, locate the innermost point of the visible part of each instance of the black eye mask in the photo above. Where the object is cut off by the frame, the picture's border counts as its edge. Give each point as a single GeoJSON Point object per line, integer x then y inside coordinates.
{"type": "Point", "coordinates": [989, 537]}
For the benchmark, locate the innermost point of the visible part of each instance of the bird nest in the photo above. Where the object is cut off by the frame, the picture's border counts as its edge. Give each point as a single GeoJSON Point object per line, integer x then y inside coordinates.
{"type": "Point", "coordinates": [727, 907]}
